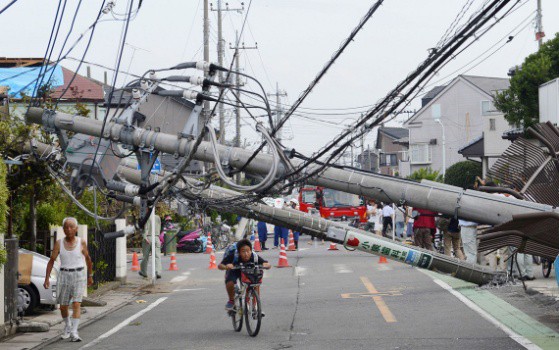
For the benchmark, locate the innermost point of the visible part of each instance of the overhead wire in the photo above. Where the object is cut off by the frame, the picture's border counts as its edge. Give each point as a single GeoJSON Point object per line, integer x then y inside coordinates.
{"type": "Point", "coordinates": [425, 71]}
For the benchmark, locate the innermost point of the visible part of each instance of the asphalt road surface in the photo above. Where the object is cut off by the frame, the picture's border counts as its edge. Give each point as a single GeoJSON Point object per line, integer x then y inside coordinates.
{"type": "Point", "coordinates": [326, 300]}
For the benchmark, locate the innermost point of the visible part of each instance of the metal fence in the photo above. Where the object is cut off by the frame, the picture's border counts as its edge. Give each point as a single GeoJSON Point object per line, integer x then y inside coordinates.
{"type": "Point", "coordinates": [103, 255]}
{"type": "Point", "coordinates": [10, 281]}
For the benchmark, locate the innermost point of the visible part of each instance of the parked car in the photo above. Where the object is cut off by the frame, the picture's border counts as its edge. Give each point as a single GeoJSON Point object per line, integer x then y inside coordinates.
{"type": "Point", "coordinates": [32, 295]}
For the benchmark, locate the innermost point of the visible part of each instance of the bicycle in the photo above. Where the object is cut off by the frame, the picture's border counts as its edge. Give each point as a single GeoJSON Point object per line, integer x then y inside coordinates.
{"type": "Point", "coordinates": [246, 291]}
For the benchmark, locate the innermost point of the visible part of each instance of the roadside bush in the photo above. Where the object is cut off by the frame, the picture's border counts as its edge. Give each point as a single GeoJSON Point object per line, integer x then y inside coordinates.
{"type": "Point", "coordinates": [463, 174]}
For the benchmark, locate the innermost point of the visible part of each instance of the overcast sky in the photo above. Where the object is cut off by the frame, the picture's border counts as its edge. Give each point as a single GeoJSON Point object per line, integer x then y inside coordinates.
{"type": "Point", "coordinates": [295, 39]}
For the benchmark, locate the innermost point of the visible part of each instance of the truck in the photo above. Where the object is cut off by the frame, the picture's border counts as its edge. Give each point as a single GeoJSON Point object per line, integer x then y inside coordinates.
{"type": "Point", "coordinates": [332, 204]}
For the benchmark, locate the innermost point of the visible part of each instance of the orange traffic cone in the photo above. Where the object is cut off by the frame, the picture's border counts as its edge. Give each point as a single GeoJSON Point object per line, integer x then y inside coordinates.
{"type": "Point", "coordinates": [333, 246]}
{"type": "Point", "coordinates": [283, 257]}
{"type": "Point", "coordinates": [173, 266]}
{"type": "Point", "coordinates": [257, 246]}
{"type": "Point", "coordinates": [382, 260]}
{"type": "Point", "coordinates": [291, 242]}
{"type": "Point", "coordinates": [209, 245]}
{"type": "Point", "coordinates": [135, 263]}
{"type": "Point", "coordinates": [213, 265]}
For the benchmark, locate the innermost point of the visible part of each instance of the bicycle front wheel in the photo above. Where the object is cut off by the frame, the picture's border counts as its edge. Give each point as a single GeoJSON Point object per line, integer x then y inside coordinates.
{"type": "Point", "coordinates": [237, 313]}
{"type": "Point", "coordinates": [253, 312]}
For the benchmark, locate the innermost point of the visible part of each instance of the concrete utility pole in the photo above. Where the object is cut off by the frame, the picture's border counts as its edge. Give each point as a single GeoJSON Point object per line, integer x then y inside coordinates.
{"type": "Point", "coordinates": [279, 109]}
{"type": "Point", "coordinates": [450, 200]}
{"type": "Point", "coordinates": [337, 232]}
{"type": "Point", "coordinates": [206, 113]}
{"type": "Point", "coordinates": [539, 25]}
{"type": "Point", "coordinates": [239, 84]}
{"type": "Point", "coordinates": [220, 55]}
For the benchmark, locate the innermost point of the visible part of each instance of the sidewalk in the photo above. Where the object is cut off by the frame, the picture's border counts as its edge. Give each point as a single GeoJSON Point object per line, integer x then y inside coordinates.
{"type": "Point", "coordinates": [115, 299]}
{"type": "Point", "coordinates": [545, 286]}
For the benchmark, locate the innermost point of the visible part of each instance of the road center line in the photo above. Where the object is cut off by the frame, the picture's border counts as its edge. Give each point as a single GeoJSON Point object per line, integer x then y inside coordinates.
{"type": "Point", "coordinates": [123, 324]}
{"type": "Point", "coordinates": [381, 305]}
{"type": "Point", "coordinates": [514, 336]}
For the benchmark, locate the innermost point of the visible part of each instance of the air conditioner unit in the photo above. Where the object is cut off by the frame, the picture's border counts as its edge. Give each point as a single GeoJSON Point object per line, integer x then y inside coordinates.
{"type": "Point", "coordinates": [433, 141]}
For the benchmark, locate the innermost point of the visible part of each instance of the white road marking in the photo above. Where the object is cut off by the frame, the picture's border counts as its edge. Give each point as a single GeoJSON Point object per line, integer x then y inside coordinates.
{"type": "Point", "coordinates": [300, 271]}
{"type": "Point", "coordinates": [514, 336]}
{"type": "Point", "coordinates": [182, 278]}
{"type": "Point", "coordinates": [302, 249]}
{"type": "Point", "coordinates": [383, 268]}
{"type": "Point", "coordinates": [341, 268]}
{"type": "Point", "coordinates": [123, 324]}
{"type": "Point", "coordinates": [187, 290]}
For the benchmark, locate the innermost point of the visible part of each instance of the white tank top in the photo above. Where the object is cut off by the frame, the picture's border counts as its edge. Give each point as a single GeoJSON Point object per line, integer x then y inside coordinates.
{"type": "Point", "coordinates": [71, 259]}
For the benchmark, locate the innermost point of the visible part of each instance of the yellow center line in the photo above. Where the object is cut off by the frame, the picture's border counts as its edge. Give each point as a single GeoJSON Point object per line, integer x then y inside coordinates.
{"type": "Point", "coordinates": [381, 305]}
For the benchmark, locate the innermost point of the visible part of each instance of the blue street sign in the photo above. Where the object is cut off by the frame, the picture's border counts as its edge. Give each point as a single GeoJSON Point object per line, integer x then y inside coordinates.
{"type": "Point", "coordinates": [156, 166]}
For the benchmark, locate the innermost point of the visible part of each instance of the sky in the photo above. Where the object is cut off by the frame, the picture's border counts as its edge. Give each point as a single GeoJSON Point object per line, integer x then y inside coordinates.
{"type": "Point", "coordinates": [294, 40]}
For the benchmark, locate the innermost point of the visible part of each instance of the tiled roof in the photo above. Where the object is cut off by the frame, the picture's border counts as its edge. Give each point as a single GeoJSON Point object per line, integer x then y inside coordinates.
{"type": "Point", "coordinates": [82, 88]}
{"type": "Point", "coordinates": [395, 133]}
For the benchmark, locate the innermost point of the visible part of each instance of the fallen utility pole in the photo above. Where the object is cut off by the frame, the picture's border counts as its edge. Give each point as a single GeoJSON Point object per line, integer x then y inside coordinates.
{"type": "Point", "coordinates": [352, 238]}
{"type": "Point", "coordinates": [450, 200]}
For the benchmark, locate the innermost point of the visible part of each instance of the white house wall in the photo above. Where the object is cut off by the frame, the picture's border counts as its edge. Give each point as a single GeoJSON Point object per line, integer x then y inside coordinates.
{"type": "Point", "coordinates": [461, 116]}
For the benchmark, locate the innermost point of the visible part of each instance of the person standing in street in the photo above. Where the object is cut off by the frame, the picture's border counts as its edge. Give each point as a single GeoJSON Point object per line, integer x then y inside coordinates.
{"type": "Point", "coordinates": [146, 248]}
{"type": "Point", "coordinates": [452, 239]}
{"type": "Point", "coordinates": [468, 232]}
{"type": "Point", "coordinates": [387, 214]}
{"type": "Point", "coordinates": [423, 227]}
{"type": "Point", "coordinates": [262, 234]}
{"type": "Point", "coordinates": [72, 279]}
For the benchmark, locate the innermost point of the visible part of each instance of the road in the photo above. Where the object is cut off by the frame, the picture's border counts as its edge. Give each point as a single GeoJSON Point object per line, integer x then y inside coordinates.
{"type": "Point", "coordinates": [327, 300]}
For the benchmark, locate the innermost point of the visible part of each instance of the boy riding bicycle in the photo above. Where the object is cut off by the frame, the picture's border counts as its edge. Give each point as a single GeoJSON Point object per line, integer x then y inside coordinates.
{"type": "Point", "coordinates": [236, 254]}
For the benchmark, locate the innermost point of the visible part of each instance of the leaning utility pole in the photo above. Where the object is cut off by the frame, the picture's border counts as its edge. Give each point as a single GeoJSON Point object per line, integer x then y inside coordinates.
{"type": "Point", "coordinates": [279, 110]}
{"type": "Point", "coordinates": [450, 200]}
{"type": "Point", "coordinates": [539, 25]}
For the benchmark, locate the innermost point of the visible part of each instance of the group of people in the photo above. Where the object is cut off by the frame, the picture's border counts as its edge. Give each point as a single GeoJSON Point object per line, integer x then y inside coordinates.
{"type": "Point", "coordinates": [281, 234]}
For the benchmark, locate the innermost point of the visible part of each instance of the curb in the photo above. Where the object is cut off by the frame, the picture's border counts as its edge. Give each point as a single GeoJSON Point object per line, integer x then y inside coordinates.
{"type": "Point", "coordinates": [84, 324]}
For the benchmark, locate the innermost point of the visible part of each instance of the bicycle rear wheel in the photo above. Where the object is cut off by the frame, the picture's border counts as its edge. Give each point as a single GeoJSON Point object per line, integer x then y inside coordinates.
{"type": "Point", "coordinates": [253, 312]}
{"type": "Point", "coordinates": [237, 313]}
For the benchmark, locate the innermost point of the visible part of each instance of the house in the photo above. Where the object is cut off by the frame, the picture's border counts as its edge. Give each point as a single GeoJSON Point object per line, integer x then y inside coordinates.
{"type": "Point", "coordinates": [392, 148]}
{"type": "Point", "coordinates": [19, 76]}
{"type": "Point", "coordinates": [368, 160]}
{"type": "Point", "coordinates": [460, 122]}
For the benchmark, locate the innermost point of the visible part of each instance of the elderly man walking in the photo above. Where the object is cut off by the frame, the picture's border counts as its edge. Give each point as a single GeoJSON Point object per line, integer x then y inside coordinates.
{"type": "Point", "coordinates": [72, 277]}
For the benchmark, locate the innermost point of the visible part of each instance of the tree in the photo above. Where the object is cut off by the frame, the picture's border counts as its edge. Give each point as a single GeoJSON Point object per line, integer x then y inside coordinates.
{"type": "Point", "coordinates": [519, 102]}
{"type": "Point", "coordinates": [426, 174]}
{"type": "Point", "coordinates": [463, 174]}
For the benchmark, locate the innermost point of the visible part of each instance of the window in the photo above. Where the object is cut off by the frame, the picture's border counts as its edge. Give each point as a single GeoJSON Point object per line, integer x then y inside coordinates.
{"type": "Point", "coordinates": [492, 126]}
{"type": "Point", "coordinates": [487, 108]}
{"type": "Point", "coordinates": [308, 196]}
{"type": "Point", "coordinates": [388, 160]}
{"type": "Point", "coordinates": [420, 154]}
{"type": "Point", "coordinates": [333, 198]}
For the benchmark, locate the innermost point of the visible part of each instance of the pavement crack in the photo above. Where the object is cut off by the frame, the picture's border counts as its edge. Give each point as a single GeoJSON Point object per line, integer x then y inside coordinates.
{"type": "Point", "coordinates": [296, 300]}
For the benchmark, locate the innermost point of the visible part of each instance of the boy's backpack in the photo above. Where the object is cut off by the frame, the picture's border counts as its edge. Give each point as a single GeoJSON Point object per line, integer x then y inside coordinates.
{"type": "Point", "coordinates": [230, 251]}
